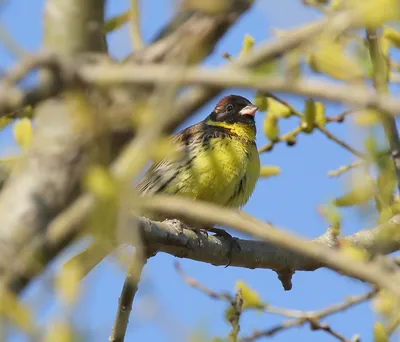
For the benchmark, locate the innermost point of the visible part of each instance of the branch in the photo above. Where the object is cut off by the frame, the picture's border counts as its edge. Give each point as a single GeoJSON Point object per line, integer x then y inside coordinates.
{"type": "Point", "coordinates": [45, 180]}
{"type": "Point", "coordinates": [380, 72]}
{"type": "Point", "coordinates": [125, 301]}
{"type": "Point", "coordinates": [47, 183]}
{"type": "Point", "coordinates": [108, 75]}
{"type": "Point", "coordinates": [208, 214]}
{"type": "Point", "coordinates": [318, 315]}
{"type": "Point", "coordinates": [196, 97]}
{"type": "Point", "coordinates": [301, 317]}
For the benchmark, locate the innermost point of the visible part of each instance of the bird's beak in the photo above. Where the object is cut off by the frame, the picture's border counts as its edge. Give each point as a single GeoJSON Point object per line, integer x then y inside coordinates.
{"type": "Point", "coordinates": [249, 110]}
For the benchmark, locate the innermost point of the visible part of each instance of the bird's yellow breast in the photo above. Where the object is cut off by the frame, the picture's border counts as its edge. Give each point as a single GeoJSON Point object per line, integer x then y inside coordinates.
{"type": "Point", "coordinates": [223, 170]}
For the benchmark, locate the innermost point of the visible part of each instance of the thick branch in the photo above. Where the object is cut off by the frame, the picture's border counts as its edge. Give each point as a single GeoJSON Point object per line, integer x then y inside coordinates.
{"type": "Point", "coordinates": [169, 237]}
{"type": "Point", "coordinates": [36, 194]}
{"type": "Point", "coordinates": [233, 77]}
{"type": "Point", "coordinates": [204, 213]}
{"type": "Point", "coordinates": [44, 183]}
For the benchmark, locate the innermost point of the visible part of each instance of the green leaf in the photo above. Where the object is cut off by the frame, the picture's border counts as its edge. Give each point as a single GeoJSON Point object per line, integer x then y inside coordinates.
{"type": "Point", "coordinates": [271, 128]}
{"type": "Point", "coordinates": [260, 100]}
{"type": "Point", "coordinates": [320, 118]}
{"type": "Point", "coordinates": [99, 182]}
{"type": "Point", "coordinates": [269, 171]}
{"type": "Point", "coordinates": [251, 299]}
{"type": "Point", "coordinates": [23, 132]}
{"type": "Point", "coordinates": [116, 22]}
{"type": "Point", "coordinates": [380, 334]}
{"type": "Point", "coordinates": [248, 43]}
{"type": "Point", "coordinates": [278, 109]}
{"type": "Point", "coordinates": [308, 122]}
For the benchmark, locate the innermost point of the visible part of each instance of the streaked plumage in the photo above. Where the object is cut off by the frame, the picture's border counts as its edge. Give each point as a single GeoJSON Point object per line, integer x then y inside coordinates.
{"type": "Point", "coordinates": [219, 163]}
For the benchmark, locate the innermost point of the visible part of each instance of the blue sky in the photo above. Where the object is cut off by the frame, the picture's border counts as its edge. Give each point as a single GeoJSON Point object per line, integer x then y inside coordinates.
{"type": "Point", "coordinates": [166, 309]}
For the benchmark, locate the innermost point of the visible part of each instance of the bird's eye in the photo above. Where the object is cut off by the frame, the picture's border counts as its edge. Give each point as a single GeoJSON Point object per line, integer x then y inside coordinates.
{"type": "Point", "coordinates": [230, 108]}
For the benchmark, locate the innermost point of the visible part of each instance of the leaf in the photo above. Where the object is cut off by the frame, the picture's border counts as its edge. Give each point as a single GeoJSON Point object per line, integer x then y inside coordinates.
{"type": "Point", "coordinates": [380, 334]}
{"type": "Point", "coordinates": [392, 35]}
{"type": "Point", "coordinates": [16, 312]}
{"type": "Point", "coordinates": [23, 132]}
{"type": "Point", "coordinates": [165, 148]}
{"type": "Point", "coordinates": [116, 22]}
{"type": "Point", "coordinates": [229, 313]}
{"type": "Point", "coordinates": [354, 253]}
{"type": "Point", "coordinates": [278, 109]}
{"type": "Point", "coordinates": [269, 171]}
{"type": "Point", "coordinates": [333, 216]}
{"type": "Point", "coordinates": [68, 282]}
{"type": "Point", "coordinates": [308, 121]}
{"type": "Point", "coordinates": [100, 183]}
{"type": "Point", "coordinates": [271, 128]}
{"type": "Point", "coordinates": [385, 303]}
{"type": "Point", "coordinates": [320, 118]}
{"type": "Point", "coordinates": [250, 297]}
{"type": "Point", "coordinates": [355, 197]}
{"type": "Point", "coordinates": [330, 59]}
{"type": "Point", "coordinates": [248, 43]}
{"type": "Point", "coordinates": [367, 118]}
{"type": "Point", "coordinates": [5, 121]}
{"type": "Point", "coordinates": [374, 13]}
{"type": "Point", "coordinates": [260, 100]}
{"type": "Point", "coordinates": [59, 331]}
{"type": "Point", "coordinates": [210, 7]}
{"type": "Point", "coordinates": [361, 191]}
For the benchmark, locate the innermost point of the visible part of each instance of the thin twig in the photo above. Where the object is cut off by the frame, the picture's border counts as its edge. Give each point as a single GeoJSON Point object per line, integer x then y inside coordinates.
{"type": "Point", "coordinates": [234, 319]}
{"type": "Point", "coordinates": [301, 316]}
{"type": "Point", "coordinates": [126, 298]}
{"type": "Point", "coordinates": [317, 325]}
{"type": "Point", "coordinates": [340, 117]}
{"type": "Point", "coordinates": [224, 296]}
{"type": "Point", "coordinates": [380, 84]}
{"type": "Point", "coordinates": [345, 168]}
{"type": "Point", "coordinates": [318, 315]}
{"type": "Point", "coordinates": [340, 142]}
{"type": "Point", "coordinates": [296, 131]}
{"type": "Point", "coordinates": [10, 44]}
{"type": "Point", "coordinates": [136, 36]}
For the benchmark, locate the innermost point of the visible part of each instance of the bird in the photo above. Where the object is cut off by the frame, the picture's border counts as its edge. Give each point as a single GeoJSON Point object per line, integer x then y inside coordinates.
{"type": "Point", "coordinates": [219, 162]}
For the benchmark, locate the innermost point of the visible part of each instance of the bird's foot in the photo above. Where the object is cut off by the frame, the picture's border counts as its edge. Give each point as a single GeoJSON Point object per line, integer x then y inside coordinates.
{"type": "Point", "coordinates": [233, 243]}
{"type": "Point", "coordinates": [200, 232]}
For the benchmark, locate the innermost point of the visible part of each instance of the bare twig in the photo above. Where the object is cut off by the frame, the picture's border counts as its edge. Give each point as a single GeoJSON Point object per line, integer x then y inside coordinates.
{"type": "Point", "coordinates": [345, 168]}
{"type": "Point", "coordinates": [318, 315]}
{"type": "Point", "coordinates": [109, 74]}
{"type": "Point", "coordinates": [380, 83]}
{"type": "Point", "coordinates": [126, 299]}
{"type": "Point", "coordinates": [340, 117]}
{"type": "Point", "coordinates": [136, 36]}
{"type": "Point", "coordinates": [234, 319]}
{"type": "Point", "coordinates": [317, 325]}
{"type": "Point", "coordinates": [229, 298]}
{"type": "Point", "coordinates": [302, 317]}
{"type": "Point", "coordinates": [341, 143]}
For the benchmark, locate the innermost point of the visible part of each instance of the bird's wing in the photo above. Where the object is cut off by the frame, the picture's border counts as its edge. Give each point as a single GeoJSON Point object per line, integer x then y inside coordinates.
{"type": "Point", "coordinates": [163, 172]}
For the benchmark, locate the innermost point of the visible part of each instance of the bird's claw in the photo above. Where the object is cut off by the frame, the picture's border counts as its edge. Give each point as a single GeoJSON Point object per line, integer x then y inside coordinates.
{"type": "Point", "coordinates": [233, 242]}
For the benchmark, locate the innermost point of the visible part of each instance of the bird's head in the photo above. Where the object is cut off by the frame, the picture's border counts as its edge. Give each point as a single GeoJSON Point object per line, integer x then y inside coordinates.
{"type": "Point", "coordinates": [236, 113]}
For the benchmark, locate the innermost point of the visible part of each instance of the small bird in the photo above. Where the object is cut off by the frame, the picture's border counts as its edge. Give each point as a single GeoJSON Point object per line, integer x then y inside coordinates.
{"type": "Point", "coordinates": [219, 164]}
